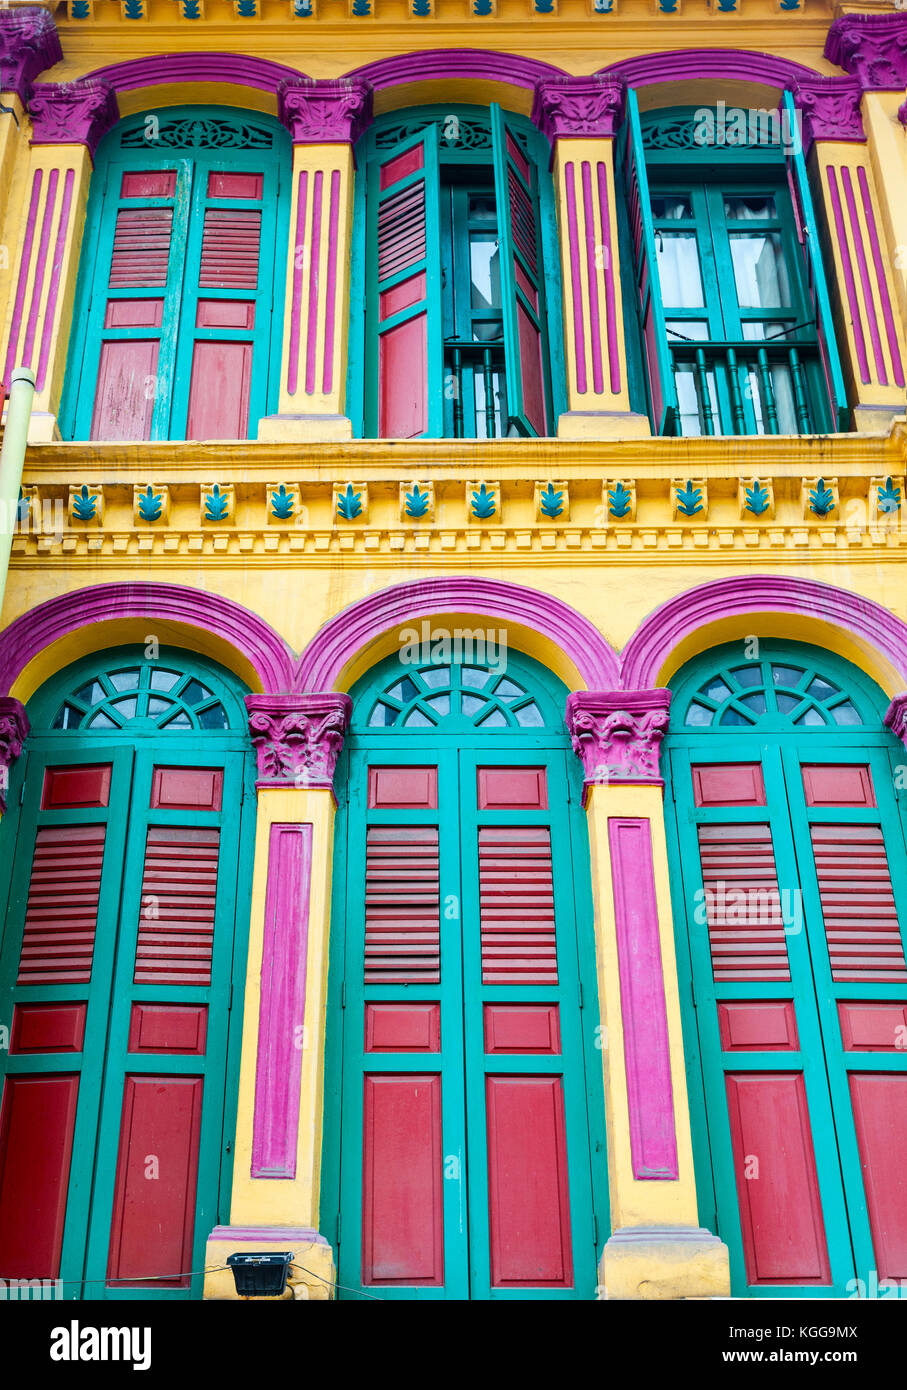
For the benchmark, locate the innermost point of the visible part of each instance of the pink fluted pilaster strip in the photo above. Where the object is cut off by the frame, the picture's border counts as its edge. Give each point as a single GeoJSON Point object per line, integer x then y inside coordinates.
{"type": "Point", "coordinates": [647, 1058]}
{"type": "Point", "coordinates": [281, 1038]}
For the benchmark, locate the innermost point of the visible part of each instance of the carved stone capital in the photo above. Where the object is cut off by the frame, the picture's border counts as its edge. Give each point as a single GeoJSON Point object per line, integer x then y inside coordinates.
{"type": "Point", "coordinates": [29, 44]}
{"type": "Point", "coordinates": [13, 732]}
{"type": "Point", "coordinates": [618, 734]}
{"type": "Point", "coordinates": [831, 109]}
{"type": "Point", "coordinates": [896, 717]}
{"type": "Point", "coordinates": [325, 112]}
{"type": "Point", "coordinates": [872, 48]}
{"type": "Point", "coordinates": [73, 113]}
{"type": "Point", "coordinates": [583, 107]}
{"type": "Point", "coordinates": [298, 738]}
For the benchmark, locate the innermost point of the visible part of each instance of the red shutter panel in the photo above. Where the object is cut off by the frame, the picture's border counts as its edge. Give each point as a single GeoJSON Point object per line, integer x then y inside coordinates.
{"type": "Point", "coordinates": [861, 922]}
{"type": "Point", "coordinates": [231, 243]}
{"type": "Point", "coordinates": [402, 905]}
{"type": "Point", "coordinates": [517, 906]}
{"type": "Point", "coordinates": [742, 903]}
{"type": "Point", "coordinates": [141, 248]}
{"type": "Point", "coordinates": [62, 911]}
{"type": "Point", "coordinates": [179, 888]}
{"type": "Point", "coordinates": [37, 1123]}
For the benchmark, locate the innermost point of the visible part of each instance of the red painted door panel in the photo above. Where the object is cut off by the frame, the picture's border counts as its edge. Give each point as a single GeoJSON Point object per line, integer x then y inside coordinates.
{"type": "Point", "coordinates": [36, 1132]}
{"type": "Point", "coordinates": [154, 1198]}
{"type": "Point", "coordinates": [880, 1114]}
{"type": "Point", "coordinates": [529, 1212]}
{"type": "Point", "coordinates": [124, 403]}
{"type": "Point", "coordinates": [219, 393]}
{"type": "Point", "coordinates": [780, 1207]}
{"type": "Point", "coordinates": [402, 1213]}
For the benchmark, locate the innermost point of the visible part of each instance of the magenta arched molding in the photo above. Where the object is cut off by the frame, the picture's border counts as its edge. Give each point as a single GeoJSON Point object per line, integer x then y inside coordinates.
{"type": "Point", "coordinates": [731, 64]}
{"type": "Point", "coordinates": [349, 632]}
{"type": "Point", "coordinates": [264, 650]}
{"type": "Point", "coordinates": [657, 637]}
{"type": "Point", "coordinates": [166, 69]}
{"type": "Point", "coordinates": [443, 64]}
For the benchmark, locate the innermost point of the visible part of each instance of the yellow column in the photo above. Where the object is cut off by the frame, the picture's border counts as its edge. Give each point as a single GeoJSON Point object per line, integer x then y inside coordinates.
{"type": "Point", "coordinates": [67, 119]}
{"type": "Point", "coordinates": [859, 261]}
{"type": "Point", "coordinates": [325, 118]}
{"type": "Point", "coordinates": [887, 149]}
{"type": "Point", "coordinates": [657, 1249]}
{"type": "Point", "coordinates": [277, 1161]}
{"type": "Point", "coordinates": [578, 115]}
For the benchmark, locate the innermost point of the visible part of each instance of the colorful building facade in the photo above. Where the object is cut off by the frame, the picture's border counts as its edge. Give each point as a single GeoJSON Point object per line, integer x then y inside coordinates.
{"type": "Point", "coordinates": [457, 580]}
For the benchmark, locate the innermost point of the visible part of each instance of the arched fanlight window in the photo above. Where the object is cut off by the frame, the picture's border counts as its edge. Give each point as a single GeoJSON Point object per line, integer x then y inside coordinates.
{"type": "Point", "coordinates": [772, 693]}
{"type": "Point", "coordinates": [455, 697]}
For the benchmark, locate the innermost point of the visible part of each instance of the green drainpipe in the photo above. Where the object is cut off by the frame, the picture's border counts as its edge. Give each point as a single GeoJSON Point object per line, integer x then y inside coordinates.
{"type": "Point", "coordinates": [12, 460]}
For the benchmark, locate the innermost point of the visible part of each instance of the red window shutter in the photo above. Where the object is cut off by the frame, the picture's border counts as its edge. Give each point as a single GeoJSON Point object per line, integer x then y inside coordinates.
{"type": "Point", "coordinates": [516, 893]}
{"type": "Point", "coordinates": [401, 230]}
{"type": "Point", "coordinates": [402, 905]}
{"type": "Point", "coordinates": [37, 1123]}
{"type": "Point", "coordinates": [231, 242]}
{"type": "Point", "coordinates": [179, 889]}
{"type": "Point", "coordinates": [742, 903]}
{"type": "Point", "coordinates": [62, 911]}
{"type": "Point", "coordinates": [141, 248]}
{"type": "Point", "coordinates": [861, 921]}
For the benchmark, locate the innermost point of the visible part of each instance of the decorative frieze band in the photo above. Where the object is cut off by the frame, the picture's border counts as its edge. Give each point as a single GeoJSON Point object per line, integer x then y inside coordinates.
{"type": "Point", "coordinates": [298, 738]}
{"type": "Point", "coordinates": [325, 112]}
{"type": "Point", "coordinates": [73, 113]}
{"type": "Point", "coordinates": [29, 45]}
{"type": "Point", "coordinates": [13, 733]}
{"type": "Point", "coordinates": [618, 734]}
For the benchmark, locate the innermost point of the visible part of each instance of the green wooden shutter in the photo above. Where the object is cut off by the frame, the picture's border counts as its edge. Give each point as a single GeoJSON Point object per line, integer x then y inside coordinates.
{"type": "Point", "coordinates": [817, 283]}
{"type": "Point", "coordinates": [522, 286]}
{"type": "Point", "coordinates": [662, 390]}
{"type": "Point", "coordinates": [404, 342]}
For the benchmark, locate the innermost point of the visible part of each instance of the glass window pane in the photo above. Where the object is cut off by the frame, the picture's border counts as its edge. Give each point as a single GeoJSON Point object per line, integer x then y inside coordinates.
{"type": "Point", "coordinates": [755, 702]}
{"type": "Point", "coordinates": [497, 405]}
{"type": "Point", "coordinates": [671, 206]}
{"type": "Point", "coordinates": [195, 692]}
{"type": "Point", "coordinates": [495, 720]}
{"type": "Point", "coordinates": [482, 208]}
{"type": "Point", "coordinates": [179, 721]}
{"type": "Point", "coordinates": [740, 209]}
{"type": "Point", "coordinates": [417, 720]}
{"type": "Point", "coordinates": [440, 704]}
{"type": "Point", "coordinates": [735, 717]}
{"type": "Point", "coordinates": [716, 689]}
{"type": "Point", "coordinates": [126, 708]}
{"type": "Point", "coordinates": [164, 680]}
{"type": "Point", "coordinates": [759, 270]}
{"type": "Point", "coordinates": [846, 713]}
{"type": "Point", "coordinates": [101, 721]}
{"type": "Point", "coordinates": [777, 390]}
{"type": "Point", "coordinates": [436, 677]}
{"type": "Point", "coordinates": [472, 704]}
{"type": "Point", "coordinates": [788, 703]}
{"type": "Point", "coordinates": [748, 676]}
{"type": "Point", "coordinates": [214, 717]}
{"type": "Point", "coordinates": [530, 716]}
{"type": "Point", "coordinates": [404, 690]}
{"type": "Point", "coordinates": [124, 680]}
{"type": "Point", "coordinates": [786, 675]}
{"type": "Point", "coordinates": [692, 419]}
{"type": "Point", "coordinates": [677, 255]}
{"type": "Point", "coordinates": [687, 330]}
{"type": "Point", "coordinates": [485, 270]}
{"type": "Point", "coordinates": [383, 716]}
{"type": "Point", "coordinates": [699, 716]}
{"type": "Point", "coordinates": [158, 706]}
{"type": "Point", "coordinates": [820, 688]}
{"type": "Point", "coordinates": [68, 718]}
{"type": "Point", "coordinates": [509, 690]}
{"type": "Point", "coordinates": [811, 717]}
{"type": "Point", "coordinates": [92, 693]}
{"type": "Point", "coordinates": [474, 676]}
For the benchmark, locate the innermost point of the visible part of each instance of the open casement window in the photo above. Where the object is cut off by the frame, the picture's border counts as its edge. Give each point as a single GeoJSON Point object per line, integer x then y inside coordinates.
{"type": "Point", "coordinates": [732, 295]}
{"type": "Point", "coordinates": [459, 257]}
{"type": "Point", "coordinates": [175, 335]}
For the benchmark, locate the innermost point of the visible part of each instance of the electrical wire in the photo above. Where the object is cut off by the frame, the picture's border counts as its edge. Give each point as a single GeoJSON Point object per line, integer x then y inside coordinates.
{"type": "Point", "coordinates": [334, 1285]}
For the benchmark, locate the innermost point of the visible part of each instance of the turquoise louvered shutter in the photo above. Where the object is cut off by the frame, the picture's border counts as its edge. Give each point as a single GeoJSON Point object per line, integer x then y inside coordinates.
{"type": "Point", "coordinates": [403, 296]}
{"type": "Point", "coordinates": [662, 389]}
{"type": "Point", "coordinates": [522, 288]}
{"type": "Point", "coordinates": [816, 282]}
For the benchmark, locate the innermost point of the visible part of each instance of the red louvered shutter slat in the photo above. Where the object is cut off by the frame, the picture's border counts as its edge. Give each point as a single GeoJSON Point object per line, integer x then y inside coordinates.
{"type": "Point", "coordinates": [743, 903]}
{"type": "Point", "coordinates": [62, 911]}
{"type": "Point", "coordinates": [231, 241]}
{"type": "Point", "coordinates": [402, 905]}
{"type": "Point", "coordinates": [516, 904]}
{"type": "Point", "coordinates": [141, 248]}
{"type": "Point", "coordinates": [179, 889]}
{"type": "Point", "coordinates": [861, 921]}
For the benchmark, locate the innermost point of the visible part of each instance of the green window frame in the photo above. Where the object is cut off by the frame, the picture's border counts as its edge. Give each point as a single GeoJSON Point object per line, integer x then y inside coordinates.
{"type": "Point", "coordinates": [194, 144]}
{"type": "Point", "coordinates": [736, 343]}
{"type": "Point", "coordinates": [479, 310]}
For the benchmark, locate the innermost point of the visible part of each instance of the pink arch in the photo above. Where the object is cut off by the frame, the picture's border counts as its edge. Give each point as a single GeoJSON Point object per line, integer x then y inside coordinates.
{"type": "Point", "coordinates": [440, 64]}
{"type": "Point", "coordinates": [684, 64]}
{"type": "Point", "coordinates": [650, 646]}
{"type": "Point", "coordinates": [267, 654]}
{"type": "Point", "coordinates": [348, 632]}
{"type": "Point", "coordinates": [238, 69]}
